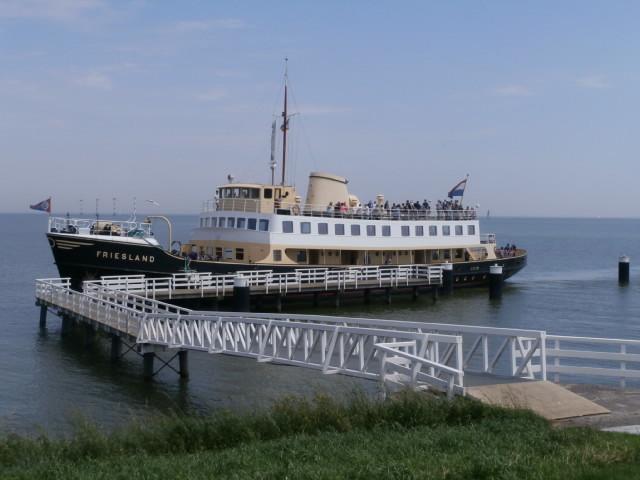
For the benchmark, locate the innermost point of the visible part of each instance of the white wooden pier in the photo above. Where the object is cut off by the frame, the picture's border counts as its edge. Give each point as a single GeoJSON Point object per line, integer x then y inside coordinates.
{"type": "Point", "coordinates": [266, 283]}
{"type": "Point", "coordinates": [449, 358]}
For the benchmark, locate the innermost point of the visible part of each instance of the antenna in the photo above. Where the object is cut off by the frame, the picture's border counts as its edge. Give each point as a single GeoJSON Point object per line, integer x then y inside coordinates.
{"type": "Point", "coordinates": [81, 210]}
{"type": "Point", "coordinates": [97, 204]}
{"type": "Point", "coordinates": [114, 206]}
{"type": "Point", "coordinates": [272, 164]}
{"type": "Point", "coordinates": [285, 120]}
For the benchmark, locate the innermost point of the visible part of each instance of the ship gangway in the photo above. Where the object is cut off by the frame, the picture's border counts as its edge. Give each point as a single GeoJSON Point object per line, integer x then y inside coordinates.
{"type": "Point", "coordinates": [452, 359]}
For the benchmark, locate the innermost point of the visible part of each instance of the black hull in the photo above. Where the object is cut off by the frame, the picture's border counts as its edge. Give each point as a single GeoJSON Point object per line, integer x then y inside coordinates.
{"type": "Point", "coordinates": [84, 258]}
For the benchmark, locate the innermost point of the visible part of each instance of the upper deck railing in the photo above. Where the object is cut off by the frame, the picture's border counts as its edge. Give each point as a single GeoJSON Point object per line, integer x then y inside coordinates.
{"type": "Point", "coordinates": [114, 228]}
{"type": "Point", "coordinates": [250, 205]}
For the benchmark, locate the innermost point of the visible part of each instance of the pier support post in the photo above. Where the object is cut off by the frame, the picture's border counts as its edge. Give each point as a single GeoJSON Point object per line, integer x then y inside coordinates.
{"type": "Point", "coordinates": [116, 347]}
{"type": "Point", "coordinates": [315, 299]}
{"type": "Point", "coordinates": [415, 293]}
{"type": "Point", "coordinates": [241, 295]}
{"type": "Point", "coordinates": [183, 363]}
{"type": "Point", "coordinates": [387, 295]}
{"type": "Point", "coordinates": [367, 296]}
{"type": "Point", "coordinates": [338, 298]}
{"type": "Point", "coordinates": [43, 316]}
{"type": "Point", "coordinates": [279, 303]}
{"type": "Point", "coordinates": [447, 278]}
{"type": "Point", "coordinates": [147, 365]}
{"type": "Point", "coordinates": [495, 281]}
{"type": "Point", "coordinates": [66, 325]}
{"type": "Point", "coordinates": [89, 334]}
{"type": "Point", "coordinates": [623, 269]}
{"type": "Point", "coordinates": [434, 294]}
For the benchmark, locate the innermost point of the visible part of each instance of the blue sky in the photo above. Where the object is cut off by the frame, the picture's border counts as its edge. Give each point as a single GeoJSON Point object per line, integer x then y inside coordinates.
{"type": "Point", "coordinates": [161, 100]}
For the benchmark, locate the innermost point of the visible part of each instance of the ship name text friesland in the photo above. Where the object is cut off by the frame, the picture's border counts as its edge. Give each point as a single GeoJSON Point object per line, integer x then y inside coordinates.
{"type": "Point", "coordinates": [125, 256]}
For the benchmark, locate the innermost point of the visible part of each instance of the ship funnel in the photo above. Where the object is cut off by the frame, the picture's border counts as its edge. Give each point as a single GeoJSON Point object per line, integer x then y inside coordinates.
{"type": "Point", "coordinates": [325, 188]}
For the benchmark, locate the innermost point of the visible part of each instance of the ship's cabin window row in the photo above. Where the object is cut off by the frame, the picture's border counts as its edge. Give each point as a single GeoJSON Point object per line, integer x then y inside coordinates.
{"type": "Point", "coordinates": [322, 228]}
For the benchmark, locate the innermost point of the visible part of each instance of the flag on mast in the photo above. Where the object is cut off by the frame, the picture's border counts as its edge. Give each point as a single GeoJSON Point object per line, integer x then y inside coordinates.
{"type": "Point", "coordinates": [43, 206]}
{"type": "Point", "coordinates": [458, 190]}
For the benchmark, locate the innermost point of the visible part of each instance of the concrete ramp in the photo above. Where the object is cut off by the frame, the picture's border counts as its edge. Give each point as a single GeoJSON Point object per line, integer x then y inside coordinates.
{"type": "Point", "coordinates": [547, 399]}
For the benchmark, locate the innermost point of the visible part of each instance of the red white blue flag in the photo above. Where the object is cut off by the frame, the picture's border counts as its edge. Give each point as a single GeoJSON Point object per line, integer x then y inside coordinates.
{"type": "Point", "coordinates": [458, 190]}
{"type": "Point", "coordinates": [43, 206]}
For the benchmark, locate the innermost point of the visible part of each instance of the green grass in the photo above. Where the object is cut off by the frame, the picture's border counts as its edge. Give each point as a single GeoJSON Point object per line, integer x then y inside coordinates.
{"type": "Point", "coordinates": [411, 436]}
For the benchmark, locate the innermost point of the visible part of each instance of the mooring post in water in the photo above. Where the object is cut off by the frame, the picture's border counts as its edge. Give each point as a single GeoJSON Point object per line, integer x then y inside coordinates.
{"type": "Point", "coordinates": [116, 347]}
{"type": "Point", "coordinates": [43, 316]}
{"type": "Point", "coordinates": [415, 294]}
{"type": "Point", "coordinates": [495, 281]}
{"type": "Point", "coordinates": [447, 278]}
{"type": "Point", "coordinates": [434, 294]}
{"type": "Point", "coordinates": [279, 302]}
{"type": "Point", "coordinates": [241, 295]}
{"type": "Point", "coordinates": [623, 269]}
{"type": "Point", "coordinates": [183, 362]}
{"type": "Point", "coordinates": [89, 334]}
{"type": "Point", "coordinates": [147, 365]}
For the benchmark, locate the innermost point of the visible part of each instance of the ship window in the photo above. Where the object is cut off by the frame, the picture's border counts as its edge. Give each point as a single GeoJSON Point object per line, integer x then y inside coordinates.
{"type": "Point", "coordinates": [419, 231]}
{"type": "Point", "coordinates": [323, 228]}
{"type": "Point", "coordinates": [371, 230]}
{"type": "Point", "coordinates": [201, 222]}
{"type": "Point", "coordinates": [471, 229]}
{"type": "Point", "coordinates": [239, 253]}
{"type": "Point", "coordinates": [435, 255]}
{"type": "Point", "coordinates": [386, 230]}
{"type": "Point", "coordinates": [287, 226]}
{"type": "Point", "coordinates": [305, 227]}
{"type": "Point", "coordinates": [339, 228]}
{"type": "Point", "coordinates": [264, 225]}
{"type": "Point", "coordinates": [458, 253]}
{"type": "Point", "coordinates": [223, 222]}
{"type": "Point", "coordinates": [218, 253]}
{"type": "Point", "coordinates": [458, 229]}
{"type": "Point", "coordinates": [268, 193]}
{"type": "Point", "coordinates": [231, 222]}
{"type": "Point", "coordinates": [446, 230]}
{"type": "Point", "coordinates": [405, 230]}
{"type": "Point", "coordinates": [355, 230]}
{"type": "Point", "coordinates": [241, 223]}
{"type": "Point", "coordinates": [301, 256]}
{"type": "Point", "coordinates": [228, 253]}
{"type": "Point", "coordinates": [433, 230]}
{"type": "Point", "coordinates": [277, 255]}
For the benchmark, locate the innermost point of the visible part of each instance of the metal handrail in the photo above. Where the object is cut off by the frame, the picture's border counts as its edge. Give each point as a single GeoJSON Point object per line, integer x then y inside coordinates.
{"type": "Point", "coordinates": [94, 226]}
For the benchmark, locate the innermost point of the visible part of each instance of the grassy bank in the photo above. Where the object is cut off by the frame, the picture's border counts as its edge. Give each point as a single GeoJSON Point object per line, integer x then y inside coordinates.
{"type": "Point", "coordinates": [411, 436]}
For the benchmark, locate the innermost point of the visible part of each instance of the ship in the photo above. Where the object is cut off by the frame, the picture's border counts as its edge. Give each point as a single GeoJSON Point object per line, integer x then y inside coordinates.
{"type": "Point", "coordinates": [268, 226]}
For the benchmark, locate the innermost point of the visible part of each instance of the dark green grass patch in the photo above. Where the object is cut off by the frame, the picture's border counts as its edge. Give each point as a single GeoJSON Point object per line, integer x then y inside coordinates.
{"type": "Point", "coordinates": [410, 436]}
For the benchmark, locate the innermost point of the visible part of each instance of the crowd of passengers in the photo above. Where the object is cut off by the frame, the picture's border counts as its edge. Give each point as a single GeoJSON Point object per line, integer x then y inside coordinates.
{"type": "Point", "coordinates": [506, 251]}
{"type": "Point", "coordinates": [408, 210]}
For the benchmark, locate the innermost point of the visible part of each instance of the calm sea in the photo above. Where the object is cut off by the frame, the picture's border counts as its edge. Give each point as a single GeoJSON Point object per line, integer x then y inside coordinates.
{"type": "Point", "coordinates": [569, 287]}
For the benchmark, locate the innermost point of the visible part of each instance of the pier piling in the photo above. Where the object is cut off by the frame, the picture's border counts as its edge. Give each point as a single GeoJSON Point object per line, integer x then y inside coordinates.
{"type": "Point", "coordinates": [147, 365]}
{"type": "Point", "coordinates": [495, 281]}
{"type": "Point", "coordinates": [183, 362]}
{"type": "Point", "coordinates": [623, 269]}
{"type": "Point", "coordinates": [447, 278]}
{"type": "Point", "coordinates": [43, 316]}
{"type": "Point", "coordinates": [241, 295]}
{"type": "Point", "coordinates": [116, 347]}
{"type": "Point", "coordinates": [387, 295]}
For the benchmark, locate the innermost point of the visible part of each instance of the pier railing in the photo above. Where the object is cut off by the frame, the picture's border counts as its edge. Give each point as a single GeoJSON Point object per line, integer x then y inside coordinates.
{"type": "Point", "coordinates": [276, 282]}
{"type": "Point", "coordinates": [421, 355]}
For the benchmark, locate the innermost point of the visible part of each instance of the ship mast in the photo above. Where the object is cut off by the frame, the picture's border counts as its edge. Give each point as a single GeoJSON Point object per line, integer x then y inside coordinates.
{"type": "Point", "coordinates": [285, 123]}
